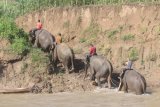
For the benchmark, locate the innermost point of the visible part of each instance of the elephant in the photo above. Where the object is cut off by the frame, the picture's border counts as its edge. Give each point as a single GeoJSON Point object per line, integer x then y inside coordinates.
{"type": "Point", "coordinates": [42, 38]}
{"type": "Point", "coordinates": [64, 54]}
{"type": "Point", "coordinates": [100, 67]}
{"type": "Point", "coordinates": [132, 80]}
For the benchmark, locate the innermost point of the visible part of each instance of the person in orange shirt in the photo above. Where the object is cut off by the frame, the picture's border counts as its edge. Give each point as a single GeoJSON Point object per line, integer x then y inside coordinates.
{"type": "Point", "coordinates": [59, 38]}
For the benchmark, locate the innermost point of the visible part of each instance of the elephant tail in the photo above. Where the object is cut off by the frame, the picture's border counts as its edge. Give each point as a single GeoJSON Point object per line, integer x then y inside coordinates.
{"type": "Point", "coordinates": [143, 82]}
{"type": "Point", "coordinates": [110, 72]}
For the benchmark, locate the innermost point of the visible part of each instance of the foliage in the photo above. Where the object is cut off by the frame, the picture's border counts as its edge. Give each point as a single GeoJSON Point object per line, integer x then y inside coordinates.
{"type": "Point", "coordinates": [133, 54]}
{"type": "Point", "coordinates": [82, 40]}
{"type": "Point", "coordinates": [20, 46]}
{"type": "Point", "coordinates": [38, 56]}
{"type": "Point", "coordinates": [128, 37]}
{"type": "Point", "coordinates": [17, 37]}
{"type": "Point", "coordinates": [10, 9]}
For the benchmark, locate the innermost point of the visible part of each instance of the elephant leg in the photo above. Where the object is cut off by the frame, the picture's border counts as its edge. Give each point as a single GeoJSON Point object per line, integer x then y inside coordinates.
{"type": "Point", "coordinates": [36, 43]}
{"type": "Point", "coordinates": [109, 81]}
{"type": "Point", "coordinates": [66, 66]}
{"type": "Point", "coordinates": [125, 87]}
{"type": "Point", "coordinates": [139, 91]}
{"type": "Point", "coordinates": [92, 74]}
{"type": "Point", "coordinates": [99, 82]}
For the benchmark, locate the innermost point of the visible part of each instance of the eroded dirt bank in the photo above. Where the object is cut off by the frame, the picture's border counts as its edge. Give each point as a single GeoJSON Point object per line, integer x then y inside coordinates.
{"type": "Point", "coordinates": [117, 31]}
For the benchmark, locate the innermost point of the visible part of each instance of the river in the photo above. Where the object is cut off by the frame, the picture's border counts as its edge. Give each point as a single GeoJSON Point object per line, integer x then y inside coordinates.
{"type": "Point", "coordinates": [96, 98]}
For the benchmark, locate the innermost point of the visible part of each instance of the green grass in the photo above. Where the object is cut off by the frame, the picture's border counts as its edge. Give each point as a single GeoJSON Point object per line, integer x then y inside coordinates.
{"type": "Point", "coordinates": [92, 31]}
{"type": "Point", "coordinates": [111, 34]}
{"type": "Point", "coordinates": [82, 40]}
{"type": "Point", "coordinates": [66, 24]}
{"type": "Point", "coordinates": [128, 37]}
{"type": "Point", "coordinates": [38, 56]}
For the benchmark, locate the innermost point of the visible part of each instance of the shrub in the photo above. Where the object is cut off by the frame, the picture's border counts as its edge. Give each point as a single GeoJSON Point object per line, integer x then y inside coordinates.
{"type": "Point", "coordinates": [38, 56]}
{"type": "Point", "coordinates": [17, 37]}
{"type": "Point", "coordinates": [20, 46]}
{"type": "Point", "coordinates": [133, 54]}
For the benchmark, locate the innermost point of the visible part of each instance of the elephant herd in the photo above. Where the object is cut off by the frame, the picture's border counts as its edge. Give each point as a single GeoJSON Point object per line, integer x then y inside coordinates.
{"type": "Point", "coordinates": [98, 65]}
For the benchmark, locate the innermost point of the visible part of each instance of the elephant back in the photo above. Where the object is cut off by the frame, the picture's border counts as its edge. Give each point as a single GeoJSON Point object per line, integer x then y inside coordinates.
{"type": "Point", "coordinates": [64, 49]}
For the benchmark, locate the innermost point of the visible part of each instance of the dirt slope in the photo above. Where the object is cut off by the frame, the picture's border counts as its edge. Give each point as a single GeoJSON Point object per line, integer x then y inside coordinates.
{"type": "Point", "coordinates": [118, 32]}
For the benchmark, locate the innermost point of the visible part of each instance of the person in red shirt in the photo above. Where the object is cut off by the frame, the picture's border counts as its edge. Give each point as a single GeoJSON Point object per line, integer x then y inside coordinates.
{"type": "Point", "coordinates": [38, 26]}
{"type": "Point", "coordinates": [92, 50]}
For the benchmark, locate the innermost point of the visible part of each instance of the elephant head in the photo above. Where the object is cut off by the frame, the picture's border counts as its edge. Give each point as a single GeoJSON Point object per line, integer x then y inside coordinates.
{"type": "Point", "coordinates": [54, 55]}
{"type": "Point", "coordinates": [86, 62]}
{"type": "Point", "coordinates": [32, 36]}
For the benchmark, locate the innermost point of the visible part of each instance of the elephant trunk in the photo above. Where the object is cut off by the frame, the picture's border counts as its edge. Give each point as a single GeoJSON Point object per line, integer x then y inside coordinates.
{"type": "Point", "coordinates": [86, 67]}
{"type": "Point", "coordinates": [120, 84]}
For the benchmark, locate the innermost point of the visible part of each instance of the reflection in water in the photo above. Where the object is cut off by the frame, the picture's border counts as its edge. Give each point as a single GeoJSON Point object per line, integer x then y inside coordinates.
{"type": "Point", "coordinates": [98, 98]}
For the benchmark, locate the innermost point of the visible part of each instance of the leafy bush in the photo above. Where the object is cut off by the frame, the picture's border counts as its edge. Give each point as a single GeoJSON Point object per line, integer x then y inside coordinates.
{"type": "Point", "coordinates": [20, 46]}
{"type": "Point", "coordinates": [17, 37]}
{"type": "Point", "coordinates": [133, 54]}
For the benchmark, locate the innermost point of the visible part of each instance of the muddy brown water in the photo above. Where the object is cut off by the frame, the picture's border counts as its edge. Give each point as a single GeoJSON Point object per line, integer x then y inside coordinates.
{"type": "Point", "coordinates": [97, 98]}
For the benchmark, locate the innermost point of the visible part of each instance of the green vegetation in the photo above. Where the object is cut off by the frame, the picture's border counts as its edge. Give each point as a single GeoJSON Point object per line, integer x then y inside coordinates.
{"type": "Point", "coordinates": [66, 24]}
{"type": "Point", "coordinates": [152, 57]}
{"type": "Point", "coordinates": [10, 9]}
{"type": "Point", "coordinates": [92, 30]}
{"type": "Point", "coordinates": [79, 21]}
{"type": "Point", "coordinates": [111, 34]}
{"type": "Point", "coordinates": [143, 30]}
{"type": "Point", "coordinates": [17, 37]}
{"type": "Point", "coordinates": [133, 54]}
{"type": "Point", "coordinates": [82, 40]}
{"type": "Point", "coordinates": [38, 56]}
{"type": "Point", "coordinates": [128, 37]}
{"type": "Point", "coordinates": [142, 62]}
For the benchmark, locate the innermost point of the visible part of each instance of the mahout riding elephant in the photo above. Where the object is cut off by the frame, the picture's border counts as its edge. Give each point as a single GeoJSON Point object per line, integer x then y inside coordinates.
{"type": "Point", "coordinates": [132, 80]}
{"type": "Point", "coordinates": [42, 38]}
{"type": "Point", "coordinates": [99, 67]}
{"type": "Point", "coordinates": [64, 54]}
